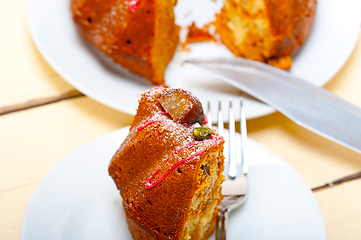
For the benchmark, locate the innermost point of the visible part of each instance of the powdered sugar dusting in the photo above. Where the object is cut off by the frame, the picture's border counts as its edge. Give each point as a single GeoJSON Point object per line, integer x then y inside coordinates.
{"type": "Point", "coordinates": [172, 135]}
{"type": "Point", "coordinates": [148, 122]}
{"type": "Point", "coordinates": [149, 185]}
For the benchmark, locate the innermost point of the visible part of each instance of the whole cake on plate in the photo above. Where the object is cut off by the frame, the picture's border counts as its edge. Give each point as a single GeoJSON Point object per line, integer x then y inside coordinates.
{"type": "Point", "coordinates": [169, 169]}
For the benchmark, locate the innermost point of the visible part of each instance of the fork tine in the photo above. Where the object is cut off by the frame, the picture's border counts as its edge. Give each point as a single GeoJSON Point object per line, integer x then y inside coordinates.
{"type": "Point", "coordinates": [232, 173]}
{"type": "Point", "coordinates": [220, 129]}
{"type": "Point", "coordinates": [209, 114]}
{"type": "Point", "coordinates": [244, 141]}
{"type": "Point", "coordinates": [220, 119]}
{"type": "Point", "coordinates": [234, 189]}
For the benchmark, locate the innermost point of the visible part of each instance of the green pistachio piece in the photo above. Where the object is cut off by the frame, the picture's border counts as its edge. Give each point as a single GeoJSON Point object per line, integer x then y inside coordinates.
{"type": "Point", "coordinates": [201, 133]}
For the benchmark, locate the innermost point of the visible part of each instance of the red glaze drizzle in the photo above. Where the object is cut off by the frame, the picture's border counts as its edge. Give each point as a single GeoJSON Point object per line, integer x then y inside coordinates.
{"type": "Point", "coordinates": [149, 185]}
{"type": "Point", "coordinates": [205, 119]}
{"type": "Point", "coordinates": [158, 88]}
{"type": "Point", "coordinates": [148, 122]}
{"type": "Point", "coordinates": [185, 125]}
{"type": "Point", "coordinates": [133, 5]}
{"type": "Point", "coordinates": [213, 139]}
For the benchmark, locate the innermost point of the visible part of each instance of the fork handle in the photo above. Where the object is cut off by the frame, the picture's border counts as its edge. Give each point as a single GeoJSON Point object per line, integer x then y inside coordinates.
{"type": "Point", "coordinates": [221, 225]}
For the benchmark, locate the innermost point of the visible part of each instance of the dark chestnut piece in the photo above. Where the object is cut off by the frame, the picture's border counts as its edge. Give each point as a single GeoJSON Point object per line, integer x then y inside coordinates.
{"type": "Point", "coordinates": [182, 106]}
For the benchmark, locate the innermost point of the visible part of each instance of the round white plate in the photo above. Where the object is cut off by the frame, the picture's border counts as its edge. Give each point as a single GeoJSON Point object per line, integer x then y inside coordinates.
{"type": "Point", "coordinates": [333, 37]}
{"type": "Point", "coordinates": [79, 200]}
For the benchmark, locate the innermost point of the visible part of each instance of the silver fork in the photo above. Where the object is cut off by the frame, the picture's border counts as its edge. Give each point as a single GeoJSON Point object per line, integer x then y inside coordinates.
{"type": "Point", "coordinates": [234, 187]}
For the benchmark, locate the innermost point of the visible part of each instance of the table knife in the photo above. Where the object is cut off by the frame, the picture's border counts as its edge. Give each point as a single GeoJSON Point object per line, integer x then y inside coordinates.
{"type": "Point", "coordinates": [310, 106]}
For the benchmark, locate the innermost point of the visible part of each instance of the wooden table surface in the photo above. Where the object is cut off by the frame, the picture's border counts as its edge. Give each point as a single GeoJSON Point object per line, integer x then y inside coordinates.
{"type": "Point", "coordinates": [34, 140]}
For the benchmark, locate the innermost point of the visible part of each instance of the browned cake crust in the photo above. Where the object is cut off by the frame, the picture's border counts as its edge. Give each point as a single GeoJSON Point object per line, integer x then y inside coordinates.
{"type": "Point", "coordinates": [162, 211]}
{"type": "Point", "coordinates": [269, 31]}
{"type": "Point", "coordinates": [143, 41]}
{"type": "Point", "coordinates": [291, 22]}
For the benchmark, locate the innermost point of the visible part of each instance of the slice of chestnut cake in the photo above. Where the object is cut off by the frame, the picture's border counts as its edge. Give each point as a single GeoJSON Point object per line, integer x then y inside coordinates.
{"type": "Point", "coordinates": [169, 168]}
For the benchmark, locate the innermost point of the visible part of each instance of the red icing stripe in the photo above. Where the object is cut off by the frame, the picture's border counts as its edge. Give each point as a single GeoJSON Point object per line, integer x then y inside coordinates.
{"type": "Point", "coordinates": [147, 122]}
{"type": "Point", "coordinates": [133, 5]}
{"type": "Point", "coordinates": [213, 139]}
{"type": "Point", "coordinates": [149, 185]}
{"type": "Point", "coordinates": [185, 125]}
{"type": "Point", "coordinates": [140, 128]}
{"type": "Point", "coordinates": [158, 87]}
{"type": "Point", "coordinates": [216, 138]}
{"type": "Point", "coordinates": [205, 119]}
{"type": "Point", "coordinates": [186, 146]}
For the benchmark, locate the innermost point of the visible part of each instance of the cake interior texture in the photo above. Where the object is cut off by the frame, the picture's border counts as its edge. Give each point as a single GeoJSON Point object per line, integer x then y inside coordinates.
{"type": "Point", "coordinates": [265, 30]}
{"type": "Point", "coordinates": [182, 205]}
{"type": "Point", "coordinates": [201, 215]}
{"type": "Point", "coordinates": [203, 212]}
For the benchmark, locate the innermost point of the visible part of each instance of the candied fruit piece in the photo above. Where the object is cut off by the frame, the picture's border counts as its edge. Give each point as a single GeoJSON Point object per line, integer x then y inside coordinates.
{"type": "Point", "coordinates": [182, 106]}
{"type": "Point", "coordinates": [201, 133]}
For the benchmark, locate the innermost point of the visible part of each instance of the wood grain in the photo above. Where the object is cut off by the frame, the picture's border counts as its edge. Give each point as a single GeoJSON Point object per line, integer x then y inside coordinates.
{"type": "Point", "coordinates": [37, 139]}
{"type": "Point", "coordinates": [340, 207]}
{"type": "Point", "coordinates": [24, 73]}
{"type": "Point", "coordinates": [338, 181]}
{"type": "Point", "coordinates": [40, 102]}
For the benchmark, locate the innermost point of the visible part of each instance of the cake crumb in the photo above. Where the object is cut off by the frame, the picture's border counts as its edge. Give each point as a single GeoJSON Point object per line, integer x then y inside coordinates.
{"type": "Point", "coordinates": [196, 34]}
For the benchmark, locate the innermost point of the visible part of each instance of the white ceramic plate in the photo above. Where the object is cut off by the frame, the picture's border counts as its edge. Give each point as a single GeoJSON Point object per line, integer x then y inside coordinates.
{"type": "Point", "coordinates": [79, 200]}
{"type": "Point", "coordinates": [333, 37]}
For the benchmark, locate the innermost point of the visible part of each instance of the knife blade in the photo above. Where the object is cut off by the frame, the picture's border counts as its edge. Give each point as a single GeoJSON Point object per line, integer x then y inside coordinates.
{"type": "Point", "coordinates": [309, 106]}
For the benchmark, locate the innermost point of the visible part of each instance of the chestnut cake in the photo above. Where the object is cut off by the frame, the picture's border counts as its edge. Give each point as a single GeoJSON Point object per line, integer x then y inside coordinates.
{"type": "Point", "coordinates": [139, 35]}
{"type": "Point", "coordinates": [268, 31]}
{"type": "Point", "coordinates": [142, 36]}
{"type": "Point", "coordinates": [169, 169]}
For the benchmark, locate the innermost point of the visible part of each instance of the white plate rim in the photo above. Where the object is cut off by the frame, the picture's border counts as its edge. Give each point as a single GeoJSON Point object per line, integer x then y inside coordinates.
{"type": "Point", "coordinates": [91, 92]}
